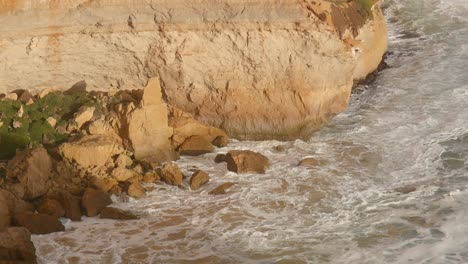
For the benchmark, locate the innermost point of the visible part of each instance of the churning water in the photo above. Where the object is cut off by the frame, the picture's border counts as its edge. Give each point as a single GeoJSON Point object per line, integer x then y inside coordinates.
{"type": "Point", "coordinates": [407, 129]}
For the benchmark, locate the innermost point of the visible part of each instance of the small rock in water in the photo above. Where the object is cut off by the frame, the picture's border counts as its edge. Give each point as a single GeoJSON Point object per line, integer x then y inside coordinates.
{"type": "Point", "coordinates": [311, 162]}
{"type": "Point", "coordinates": [220, 141]}
{"type": "Point", "coordinates": [405, 189]}
{"type": "Point", "coordinates": [222, 188]}
{"type": "Point", "coordinates": [198, 179]}
{"type": "Point", "coordinates": [93, 201]}
{"type": "Point", "coordinates": [171, 174]}
{"type": "Point", "coordinates": [220, 158]}
{"type": "Point", "coordinates": [117, 214]}
{"type": "Point", "coordinates": [135, 190]}
{"type": "Point", "coordinates": [246, 161]}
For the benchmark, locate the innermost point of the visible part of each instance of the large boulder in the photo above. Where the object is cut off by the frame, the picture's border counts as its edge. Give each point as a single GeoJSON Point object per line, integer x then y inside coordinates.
{"type": "Point", "coordinates": [246, 161]}
{"type": "Point", "coordinates": [32, 168]}
{"type": "Point", "coordinates": [148, 129]}
{"type": "Point", "coordinates": [91, 150]}
{"type": "Point", "coordinates": [195, 146]}
{"type": "Point", "coordinates": [38, 223]}
{"type": "Point", "coordinates": [187, 130]}
{"type": "Point", "coordinates": [16, 246]}
{"type": "Point", "coordinates": [93, 201]}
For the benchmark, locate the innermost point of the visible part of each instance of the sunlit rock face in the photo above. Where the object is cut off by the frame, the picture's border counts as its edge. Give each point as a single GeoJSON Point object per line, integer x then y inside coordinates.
{"type": "Point", "coordinates": [259, 69]}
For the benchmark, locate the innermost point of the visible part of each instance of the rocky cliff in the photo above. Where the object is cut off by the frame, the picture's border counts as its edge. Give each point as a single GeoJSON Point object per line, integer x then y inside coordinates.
{"type": "Point", "coordinates": [257, 68]}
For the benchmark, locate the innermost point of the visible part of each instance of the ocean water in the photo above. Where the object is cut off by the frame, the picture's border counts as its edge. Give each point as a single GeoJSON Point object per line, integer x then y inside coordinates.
{"type": "Point", "coordinates": [409, 128]}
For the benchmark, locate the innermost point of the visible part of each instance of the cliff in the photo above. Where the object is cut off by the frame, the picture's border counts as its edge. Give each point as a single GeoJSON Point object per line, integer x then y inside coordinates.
{"type": "Point", "coordinates": [256, 68]}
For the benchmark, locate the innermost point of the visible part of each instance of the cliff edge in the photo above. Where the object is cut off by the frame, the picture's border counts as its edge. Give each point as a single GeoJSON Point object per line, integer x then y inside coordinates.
{"type": "Point", "coordinates": [259, 69]}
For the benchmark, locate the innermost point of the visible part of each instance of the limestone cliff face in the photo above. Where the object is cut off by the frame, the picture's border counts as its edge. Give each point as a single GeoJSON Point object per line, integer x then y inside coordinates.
{"type": "Point", "coordinates": [257, 68]}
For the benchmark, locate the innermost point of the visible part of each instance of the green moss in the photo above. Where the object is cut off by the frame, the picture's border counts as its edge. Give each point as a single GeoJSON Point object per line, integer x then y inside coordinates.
{"type": "Point", "coordinates": [35, 127]}
{"type": "Point", "coordinates": [367, 4]}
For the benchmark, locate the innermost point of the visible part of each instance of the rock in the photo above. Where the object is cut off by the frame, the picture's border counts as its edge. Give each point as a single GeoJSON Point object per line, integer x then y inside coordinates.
{"type": "Point", "coordinates": [198, 179]}
{"type": "Point", "coordinates": [405, 189]}
{"type": "Point", "coordinates": [195, 146]}
{"type": "Point", "coordinates": [17, 124]}
{"type": "Point", "coordinates": [135, 190]}
{"type": "Point", "coordinates": [1, 123]}
{"type": "Point", "coordinates": [117, 214]}
{"type": "Point", "coordinates": [220, 158]}
{"type": "Point", "coordinates": [51, 207]}
{"type": "Point", "coordinates": [77, 88]}
{"type": "Point", "coordinates": [93, 201]}
{"type": "Point", "coordinates": [70, 203]}
{"type": "Point", "coordinates": [5, 213]}
{"type": "Point", "coordinates": [171, 174]}
{"type": "Point", "coordinates": [103, 184]}
{"type": "Point", "coordinates": [151, 177]}
{"type": "Point", "coordinates": [84, 115]}
{"type": "Point", "coordinates": [311, 162]}
{"type": "Point", "coordinates": [101, 147]}
{"type": "Point", "coordinates": [123, 161]}
{"type": "Point", "coordinates": [121, 174]}
{"type": "Point", "coordinates": [52, 121]}
{"type": "Point", "coordinates": [25, 97]}
{"type": "Point", "coordinates": [16, 246]}
{"type": "Point", "coordinates": [148, 129]}
{"type": "Point", "coordinates": [30, 102]}
{"type": "Point", "coordinates": [38, 223]}
{"type": "Point", "coordinates": [222, 188]}
{"type": "Point", "coordinates": [20, 112]}
{"type": "Point", "coordinates": [186, 127]}
{"type": "Point", "coordinates": [32, 168]}
{"type": "Point", "coordinates": [11, 96]}
{"type": "Point", "coordinates": [246, 161]}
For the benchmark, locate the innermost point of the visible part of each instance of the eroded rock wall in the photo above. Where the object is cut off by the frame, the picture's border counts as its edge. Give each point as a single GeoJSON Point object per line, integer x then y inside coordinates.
{"type": "Point", "coordinates": [256, 68]}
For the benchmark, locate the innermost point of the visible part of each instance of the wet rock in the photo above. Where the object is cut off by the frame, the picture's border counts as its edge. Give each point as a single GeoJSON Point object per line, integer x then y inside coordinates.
{"type": "Point", "coordinates": [195, 146]}
{"type": "Point", "coordinates": [51, 207]}
{"type": "Point", "coordinates": [16, 246]}
{"type": "Point", "coordinates": [117, 214]}
{"type": "Point", "coordinates": [38, 223]}
{"type": "Point", "coordinates": [221, 141]}
{"type": "Point", "coordinates": [135, 190]}
{"type": "Point", "coordinates": [70, 203]}
{"type": "Point", "coordinates": [222, 188]}
{"type": "Point", "coordinates": [198, 179]}
{"type": "Point", "coordinates": [246, 161]}
{"type": "Point", "coordinates": [93, 201]}
{"type": "Point", "coordinates": [32, 168]}
{"type": "Point", "coordinates": [311, 162]}
{"type": "Point", "coordinates": [220, 158]}
{"type": "Point", "coordinates": [171, 174]}
{"type": "Point", "coordinates": [405, 189]}
{"type": "Point", "coordinates": [91, 150]}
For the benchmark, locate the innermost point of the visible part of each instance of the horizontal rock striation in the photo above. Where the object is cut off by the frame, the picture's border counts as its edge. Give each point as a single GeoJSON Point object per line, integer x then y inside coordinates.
{"type": "Point", "coordinates": [257, 68]}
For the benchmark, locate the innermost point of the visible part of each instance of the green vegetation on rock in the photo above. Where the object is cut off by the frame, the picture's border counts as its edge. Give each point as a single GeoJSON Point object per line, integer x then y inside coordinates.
{"type": "Point", "coordinates": [34, 128]}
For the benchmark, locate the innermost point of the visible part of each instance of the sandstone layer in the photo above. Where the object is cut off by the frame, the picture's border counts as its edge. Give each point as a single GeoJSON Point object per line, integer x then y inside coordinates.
{"type": "Point", "coordinates": [258, 69]}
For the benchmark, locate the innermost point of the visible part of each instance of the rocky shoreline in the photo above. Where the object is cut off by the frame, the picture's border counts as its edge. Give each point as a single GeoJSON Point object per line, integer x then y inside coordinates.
{"type": "Point", "coordinates": [82, 157]}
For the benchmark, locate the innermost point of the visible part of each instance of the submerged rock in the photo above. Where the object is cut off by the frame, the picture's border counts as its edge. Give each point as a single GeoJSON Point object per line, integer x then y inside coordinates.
{"type": "Point", "coordinates": [246, 161]}
{"type": "Point", "coordinates": [222, 188]}
{"type": "Point", "coordinates": [117, 214]}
